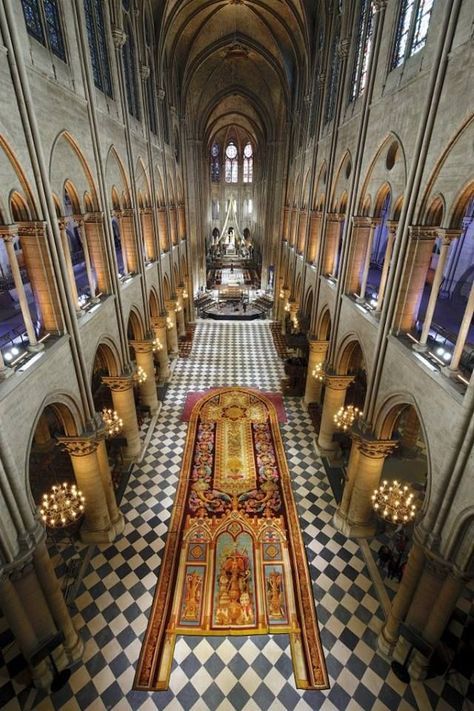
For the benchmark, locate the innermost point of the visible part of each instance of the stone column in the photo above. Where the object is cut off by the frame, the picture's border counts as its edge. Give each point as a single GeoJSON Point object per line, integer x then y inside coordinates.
{"type": "Point", "coordinates": [302, 231]}
{"type": "Point", "coordinates": [37, 258]}
{"type": "Point", "coordinates": [95, 240]}
{"type": "Point", "coordinates": [118, 216]}
{"type": "Point", "coordinates": [148, 236]}
{"type": "Point", "coordinates": [463, 332]}
{"type": "Point", "coordinates": [116, 516]}
{"type": "Point", "coordinates": [392, 231]}
{"type": "Point", "coordinates": [333, 229]}
{"type": "Point", "coordinates": [73, 644]}
{"type": "Point", "coordinates": [42, 436]}
{"type": "Point", "coordinates": [121, 387]}
{"type": "Point", "coordinates": [368, 253]}
{"type": "Point", "coordinates": [181, 222]}
{"type": "Point", "coordinates": [286, 222]}
{"type": "Point", "coordinates": [144, 357]}
{"type": "Point", "coordinates": [417, 263]}
{"type": "Point", "coordinates": [340, 515]}
{"type": "Point", "coordinates": [439, 615]}
{"type": "Point", "coordinates": [293, 224]}
{"type": "Point", "coordinates": [163, 230]}
{"type": "Point", "coordinates": [360, 515]}
{"type": "Point", "coordinates": [69, 265]}
{"type": "Point", "coordinates": [294, 308]}
{"type": "Point", "coordinates": [180, 311]}
{"type": "Point", "coordinates": [357, 248]}
{"type": "Point", "coordinates": [285, 309]}
{"type": "Point", "coordinates": [334, 398]}
{"type": "Point", "coordinates": [129, 240]}
{"type": "Point", "coordinates": [97, 526]}
{"type": "Point", "coordinates": [438, 277]}
{"type": "Point", "coordinates": [173, 230]}
{"type": "Point", "coordinates": [158, 324]}
{"type": "Point", "coordinates": [314, 236]}
{"type": "Point", "coordinates": [171, 328]}
{"type": "Point", "coordinates": [87, 259]}
{"type": "Point", "coordinates": [19, 623]}
{"type": "Point", "coordinates": [317, 356]}
{"type": "Point", "coordinates": [7, 234]}
{"type": "Point", "coordinates": [401, 602]}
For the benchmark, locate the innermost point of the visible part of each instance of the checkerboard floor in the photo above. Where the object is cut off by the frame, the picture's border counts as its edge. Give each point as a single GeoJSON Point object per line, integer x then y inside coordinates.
{"type": "Point", "coordinates": [218, 673]}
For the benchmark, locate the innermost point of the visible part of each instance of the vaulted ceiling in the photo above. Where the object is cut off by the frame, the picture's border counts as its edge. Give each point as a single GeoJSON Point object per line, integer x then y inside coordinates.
{"type": "Point", "coordinates": [236, 62]}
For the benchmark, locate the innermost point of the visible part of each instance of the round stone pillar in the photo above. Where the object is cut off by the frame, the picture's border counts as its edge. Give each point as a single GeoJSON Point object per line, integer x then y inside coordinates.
{"type": "Point", "coordinates": [285, 308]}
{"type": "Point", "coordinates": [73, 644]}
{"type": "Point", "coordinates": [159, 329]}
{"type": "Point", "coordinates": [334, 398]}
{"type": "Point", "coordinates": [121, 387]}
{"type": "Point", "coordinates": [144, 357]}
{"type": "Point", "coordinates": [19, 623]}
{"type": "Point", "coordinates": [317, 356]}
{"type": "Point", "coordinates": [180, 311]}
{"type": "Point", "coordinates": [340, 515]}
{"type": "Point", "coordinates": [116, 516]}
{"type": "Point", "coordinates": [171, 328]}
{"type": "Point", "coordinates": [360, 513]}
{"type": "Point", "coordinates": [97, 526]}
{"type": "Point", "coordinates": [388, 637]}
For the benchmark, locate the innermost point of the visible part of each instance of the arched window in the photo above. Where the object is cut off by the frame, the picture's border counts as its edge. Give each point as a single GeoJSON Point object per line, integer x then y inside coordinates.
{"type": "Point", "coordinates": [130, 71]}
{"type": "Point", "coordinates": [248, 163]}
{"type": "Point", "coordinates": [215, 163]}
{"type": "Point", "coordinates": [150, 81]}
{"type": "Point", "coordinates": [43, 22]}
{"type": "Point", "coordinates": [333, 80]}
{"type": "Point", "coordinates": [231, 163]}
{"type": "Point", "coordinates": [412, 29]}
{"type": "Point", "coordinates": [363, 49]}
{"type": "Point", "coordinates": [96, 35]}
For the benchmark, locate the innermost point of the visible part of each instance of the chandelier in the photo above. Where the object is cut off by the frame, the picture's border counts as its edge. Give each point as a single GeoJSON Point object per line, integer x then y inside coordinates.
{"type": "Point", "coordinates": [169, 323]}
{"type": "Point", "coordinates": [394, 501]}
{"type": "Point", "coordinates": [178, 307]}
{"type": "Point", "coordinates": [185, 294]}
{"type": "Point", "coordinates": [346, 416]}
{"type": "Point", "coordinates": [140, 375]}
{"type": "Point", "coordinates": [318, 372]}
{"type": "Point", "coordinates": [62, 506]}
{"type": "Point", "coordinates": [113, 423]}
{"type": "Point", "coordinates": [157, 345]}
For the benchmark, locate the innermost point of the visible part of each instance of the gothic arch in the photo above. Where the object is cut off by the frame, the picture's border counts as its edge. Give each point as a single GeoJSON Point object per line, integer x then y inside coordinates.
{"type": "Point", "coordinates": [116, 176]}
{"type": "Point", "coordinates": [387, 166]}
{"type": "Point", "coordinates": [319, 188]}
{"type": "Point", "coordinates": [107, 354]}
{"type": "Point", "coordinates": [341, 181]}
{"type": "Point", "coordinates": [142, 182]}
{"type": "Point", "coordinates": [135, 324]}
{"type": "Point", "coordinates": [14, 179]}
{"type": "Point", "coordinates": [66, 160]}
{"type": "Point", "coordinates": [323, 328]}
{"type": "Point", "coordinates": [350, 355]}
{"type": "Point", "coordinates": [153, 302]}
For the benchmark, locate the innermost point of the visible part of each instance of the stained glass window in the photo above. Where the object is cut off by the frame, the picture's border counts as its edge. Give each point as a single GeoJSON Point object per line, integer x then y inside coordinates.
{"type": "Point", "coordinates": [363, 49]}
{"type": "Point", "coordinates": [43, 22]}
{"type": "Point", "coordinates": [412, 29]}
{"type": "Point", "coordinates": [130, 71]}
{"type": "Point", "coordinates": [96, 35]}
{"type": "Point", "coordinates": [215, 163]}
{"type": "Point", "coordinates": [231, 172]}
{"type": "Point", "coordinates": [248, 163]}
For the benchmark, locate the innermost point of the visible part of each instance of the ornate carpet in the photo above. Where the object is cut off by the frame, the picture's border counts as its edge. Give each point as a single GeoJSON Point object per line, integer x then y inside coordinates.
{"type": "Point", "coordinates": [193, 397]}
{"type": "Point", "coordinates": [234, 561]}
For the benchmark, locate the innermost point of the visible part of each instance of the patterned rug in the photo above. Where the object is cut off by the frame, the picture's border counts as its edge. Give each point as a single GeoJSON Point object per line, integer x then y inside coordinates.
{"type": "Point", "coordinates": [192, 398]}
{"type": "Point", "coordinates": [234, 561]}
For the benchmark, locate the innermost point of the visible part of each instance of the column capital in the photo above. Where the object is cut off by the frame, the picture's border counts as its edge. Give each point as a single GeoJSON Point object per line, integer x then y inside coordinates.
{"type": "Point", "coordinates": [36, 229]}
{"type": "Point", "coordinates": [8, 232]}
{"type": "Point", "coordinates": [158, 321]}
{"type": "Point", "coordinates": [423, 232]}
{"type": "Point", "coordinates": [448, 235]}
{"type": "Point", "coordinates": [338, 382]}
{"type": "Point", "coordinates": [118, 383]}
{"type": "Point", "coordinates": [437, 566]}
{"type": "Point", "coordinates": [161, 93]}
{"type": "Point", "coordinates": [361, 220]}
{"type": "Point", "coordinates": [375, 448]}
{"type": "Point", "coordinates": [335, 217]}
{"type": "Point", "coordinates": [145, 71]}
{"type": "Point", "coordinates": [79, 446]}
{"type": "Point", "coordinates": [379, 5]}
{"type": "Point", "coordinates": [320, 347]}
{"type": "Point", "coordinates": [392, 226]}
{"type": "Point", "coordinates": [142, 346]}
{"type": "Point", "coordinates": [343, 47]}
{"type": "Point", "coordinates": [93, 217]}
{"type": "Point", "coordinates": [119, 37]}
{"type": "Point", "coordinates": [170, 304]}
{"type": "Point", "coordinates": [128, 212]}
{"type": "Point", "coordinates": [146, 211]}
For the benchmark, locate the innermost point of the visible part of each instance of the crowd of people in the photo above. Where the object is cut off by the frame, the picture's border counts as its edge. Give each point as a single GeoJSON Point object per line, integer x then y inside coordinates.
{"type": "Point", "coordinates": [392, 558]}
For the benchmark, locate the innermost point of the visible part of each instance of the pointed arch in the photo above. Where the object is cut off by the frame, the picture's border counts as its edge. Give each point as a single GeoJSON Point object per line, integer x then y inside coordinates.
{"type": "Point", "coordinates": [67, 159]}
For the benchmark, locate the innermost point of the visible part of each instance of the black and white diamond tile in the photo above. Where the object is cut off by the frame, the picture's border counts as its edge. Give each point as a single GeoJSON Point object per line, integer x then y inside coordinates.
{"type": "Point", "coordinates": [219, 673]}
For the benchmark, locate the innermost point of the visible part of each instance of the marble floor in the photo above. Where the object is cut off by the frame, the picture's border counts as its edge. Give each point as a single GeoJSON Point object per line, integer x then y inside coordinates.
{"type": "Point", "coordinates": [225, 674]}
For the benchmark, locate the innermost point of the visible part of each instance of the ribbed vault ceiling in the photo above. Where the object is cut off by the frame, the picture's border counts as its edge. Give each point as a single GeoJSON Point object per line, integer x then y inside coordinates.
{"type": "Point", "coordinates": [236, 62]}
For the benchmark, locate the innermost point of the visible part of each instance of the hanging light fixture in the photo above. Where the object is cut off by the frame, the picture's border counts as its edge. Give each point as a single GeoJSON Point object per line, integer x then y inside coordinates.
{"type": "Point", "coordinates": [63, 506]}
{"type": "Point", "coordinates": [140, 375]}
{"type": "Point", "coordinates": [185, 294]}
{"type": "Point", "coordinates": [346, 416]}
{"type": "Point", "coordinates": [157, 345]}
{"type": "Point", "coordinates": [169, 323]}
{"type": "Point", "coordinates": [113, 423]}
{"type": "Point", "coordinates": [178, 307]}
{"type": "Point", "coordinates": [393, 501]}
{"type": "Point", "coordinates": [318, 372]}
